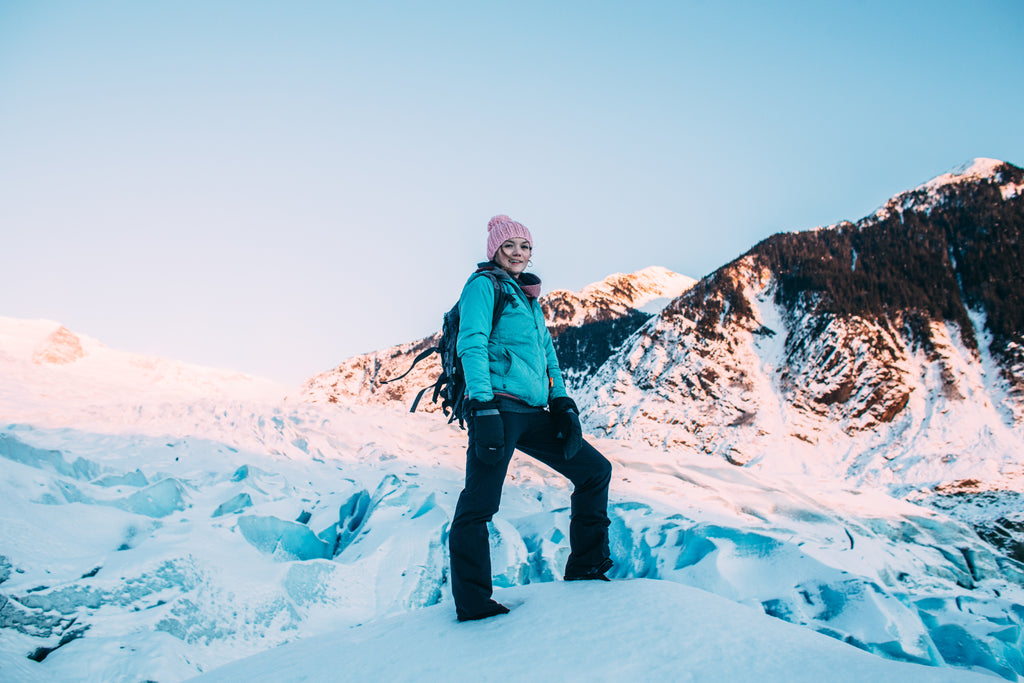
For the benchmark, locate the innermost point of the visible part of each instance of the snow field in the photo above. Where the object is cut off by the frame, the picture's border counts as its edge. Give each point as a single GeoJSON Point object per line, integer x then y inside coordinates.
{"type": "Point", "coordinates": [630, 630]}
{"type": "Point", "coordinates": [195, 589]}
{"type": "Point", "coordinates": [154, 529]}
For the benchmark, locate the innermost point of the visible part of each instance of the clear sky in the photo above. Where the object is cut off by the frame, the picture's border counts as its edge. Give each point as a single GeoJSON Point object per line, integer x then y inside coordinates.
{"type": "Point", "coordinates": [273, 187]}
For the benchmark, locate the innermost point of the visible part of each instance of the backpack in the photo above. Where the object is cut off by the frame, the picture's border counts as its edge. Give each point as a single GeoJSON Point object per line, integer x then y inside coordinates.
{"type": "Point", "coordinates": [451, 383]}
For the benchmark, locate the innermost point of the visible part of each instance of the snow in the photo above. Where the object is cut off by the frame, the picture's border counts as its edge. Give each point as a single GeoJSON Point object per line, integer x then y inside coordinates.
{"type": "Point", "coordinates": [974, 169]}
{"type": "Point", "coordinates": [630, 630]}
{"type": "Point", "coordinates": [41, 359]}
{"type": "Point", "coordinates": [929, 194]}
{"type": "Point", "coordinates": [769, 393]}
{"type": "Point", "coordinates": [979, 167]}
{"type": "Point", "coordinates": [649, 290]}
{"type": "Point", "coordinates": [281, 538]}
{"type": "Point", "coordinates": [653, 283]}
{"type": "Point", "coordinates": [162, 530]}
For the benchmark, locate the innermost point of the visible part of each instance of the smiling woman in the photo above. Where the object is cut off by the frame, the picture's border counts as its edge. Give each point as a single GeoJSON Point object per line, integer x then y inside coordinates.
{"type": "Point", "coordinates": [516, 399]}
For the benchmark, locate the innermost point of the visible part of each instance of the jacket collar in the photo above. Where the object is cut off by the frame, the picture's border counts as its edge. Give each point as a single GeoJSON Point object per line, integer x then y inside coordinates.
{"type": "Point", "coordinates": [528, 282]}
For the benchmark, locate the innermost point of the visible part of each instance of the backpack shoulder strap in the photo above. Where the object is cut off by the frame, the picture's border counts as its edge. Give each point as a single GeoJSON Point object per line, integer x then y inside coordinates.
{"type": "Point", "coordinates": [453, 405]}
{"type": "Point", "coordinates": [502, 297]}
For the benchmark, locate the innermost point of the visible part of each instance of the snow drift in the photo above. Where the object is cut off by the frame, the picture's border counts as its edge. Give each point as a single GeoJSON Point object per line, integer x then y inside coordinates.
{"type": "Point", "coordinates": [633, 630]}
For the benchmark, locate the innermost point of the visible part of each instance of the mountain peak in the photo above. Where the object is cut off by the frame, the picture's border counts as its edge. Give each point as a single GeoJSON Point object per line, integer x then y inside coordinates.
{"type": "Point", "coordinates": [41, 355]}
{"type": "Point", "coordinates": [979, 166]}
{"type": "Point", "coordinates": [1008, 178]}
{"type": "Point", "coordinates": [642, 286]}
{"type": "Point", "coordinates": [60, 348]}
{"type": "Point", "coordinates": [613, 296]}
{"type": "Point", "coordinates": [975, 169]}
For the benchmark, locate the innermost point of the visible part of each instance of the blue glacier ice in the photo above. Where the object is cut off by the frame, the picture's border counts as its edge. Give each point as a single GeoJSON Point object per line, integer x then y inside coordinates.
{"type": "Point", "coordinates": [234, 504]}
{"type": "Point", "coordinates": [159, 500]}
{"type": "Point", "coordinates": [282, 538]}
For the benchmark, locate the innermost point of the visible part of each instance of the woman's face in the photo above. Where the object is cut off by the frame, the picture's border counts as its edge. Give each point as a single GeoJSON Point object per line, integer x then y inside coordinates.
{"type": "Point", "coordinates": [513, 256]}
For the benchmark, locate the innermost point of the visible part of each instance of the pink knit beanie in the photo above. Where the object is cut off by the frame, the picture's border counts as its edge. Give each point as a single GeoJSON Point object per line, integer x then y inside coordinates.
{"type": "Point", "coordinates": [501, 228]}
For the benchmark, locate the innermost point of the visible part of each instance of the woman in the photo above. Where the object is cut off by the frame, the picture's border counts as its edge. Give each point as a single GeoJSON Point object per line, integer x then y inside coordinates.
{"type": "Point", "coordinates": [516, 399]}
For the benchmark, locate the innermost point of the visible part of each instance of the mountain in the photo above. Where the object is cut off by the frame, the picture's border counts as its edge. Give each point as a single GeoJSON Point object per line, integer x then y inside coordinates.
{"type": "Point", "coordinates": [614, 297]}
{"type": "Point", "coordinates": [597, 319]}
{"type": "Point", "coordinates": [41, 358]}
{"type": "Point", "coordinates": [589, 326]}
{"type": "Point", "coordinates": [886, 352]}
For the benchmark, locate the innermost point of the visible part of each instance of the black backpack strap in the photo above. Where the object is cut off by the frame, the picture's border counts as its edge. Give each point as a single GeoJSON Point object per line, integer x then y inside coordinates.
{"type": "Point", "coordinates": [502, 297]}
{"type": "Point", "coordinates": [418, 358]}
{"type": "Point", "coordinates": [454, 406]}
{"type": "Point", "coordinates": [419, 395]}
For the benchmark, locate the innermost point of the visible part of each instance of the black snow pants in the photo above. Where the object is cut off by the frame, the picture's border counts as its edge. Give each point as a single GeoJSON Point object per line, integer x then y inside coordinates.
{"type": "Point", "coordinates": [533, 433]}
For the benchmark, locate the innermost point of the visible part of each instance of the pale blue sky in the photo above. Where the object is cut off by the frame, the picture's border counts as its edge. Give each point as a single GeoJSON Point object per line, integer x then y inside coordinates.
{"type": "Point", "coordinates": [273, 187]}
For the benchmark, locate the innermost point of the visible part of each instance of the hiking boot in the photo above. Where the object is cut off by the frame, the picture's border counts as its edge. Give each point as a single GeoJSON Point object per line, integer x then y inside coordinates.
{"type": "Point", "coordinates": [591, 574]}
{"type": "Point", "coordinates": [491, 610]}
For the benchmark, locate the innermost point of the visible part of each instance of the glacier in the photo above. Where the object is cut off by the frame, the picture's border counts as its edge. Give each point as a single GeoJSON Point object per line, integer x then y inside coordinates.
{"type": "Point", "coordinates": [89, 562]}
{"type": "Point", "coordinates": [167, 521]}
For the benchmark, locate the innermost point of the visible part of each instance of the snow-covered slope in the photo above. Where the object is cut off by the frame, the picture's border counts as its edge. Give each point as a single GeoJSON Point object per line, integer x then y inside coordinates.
{"type": "Point", "coordinates": [870, 353]}
{"type": "Point", "coordinates": [41, 359]}
{"type": "Point", "coordinates": [934, 192]}
{"type": "Point", "coordinates": [160, 539]}
{"type": "Point", "coordinates": [358, 379]}
{"type": "Point", "coordinates": [582, 632]}
{"type": "Point", "coordinates": [650, 289]}
{"type": "Point", "coordinates": [847, 399]}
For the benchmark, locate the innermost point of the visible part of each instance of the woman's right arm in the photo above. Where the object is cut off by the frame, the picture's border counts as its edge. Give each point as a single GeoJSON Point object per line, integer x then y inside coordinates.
{"type": "Point", "coordinates": [476, 308]}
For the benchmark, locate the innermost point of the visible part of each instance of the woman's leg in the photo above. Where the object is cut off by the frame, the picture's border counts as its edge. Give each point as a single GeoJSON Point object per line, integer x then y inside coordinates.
{"type": "Point", "coordinates": [467, 538]}
{"type": "Point", "coordinates": [591, 474]}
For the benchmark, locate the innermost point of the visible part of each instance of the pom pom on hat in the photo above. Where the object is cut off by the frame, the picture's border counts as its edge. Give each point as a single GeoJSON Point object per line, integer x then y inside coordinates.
{"type": "Point", "coordinates": [501, 228]}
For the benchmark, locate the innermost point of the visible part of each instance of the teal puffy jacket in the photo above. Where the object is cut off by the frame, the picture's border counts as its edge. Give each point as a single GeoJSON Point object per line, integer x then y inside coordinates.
{"type": "Point", "coordinates": [516, 358]}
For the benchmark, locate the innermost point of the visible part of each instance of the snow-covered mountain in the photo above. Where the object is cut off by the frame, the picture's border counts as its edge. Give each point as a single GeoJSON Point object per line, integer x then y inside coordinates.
{"type": "Point", "coordinates": [157, 535]}
{"type": "Point", "coordinates": [358, 379]}
{"type": "Point", "coordinates": [885, 353]}
{"type": "Point", "coordinates": [42, 358]}
{"type": "Point", "coordinates": [617, 295]}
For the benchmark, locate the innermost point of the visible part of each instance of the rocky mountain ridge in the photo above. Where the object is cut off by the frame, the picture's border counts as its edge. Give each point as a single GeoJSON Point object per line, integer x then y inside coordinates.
{"type": "Point", "coordinates": [613, 297]}
{"type": "Point", "coordinates": [884, 352]}
{"type": "Point", "coordinates": [836, 322]}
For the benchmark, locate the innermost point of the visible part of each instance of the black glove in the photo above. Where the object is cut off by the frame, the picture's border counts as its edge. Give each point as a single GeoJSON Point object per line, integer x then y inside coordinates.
{"type": "Point", "coordinates": [567, 420]}
{"type": "Point", "coordinates": [488, 431]}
